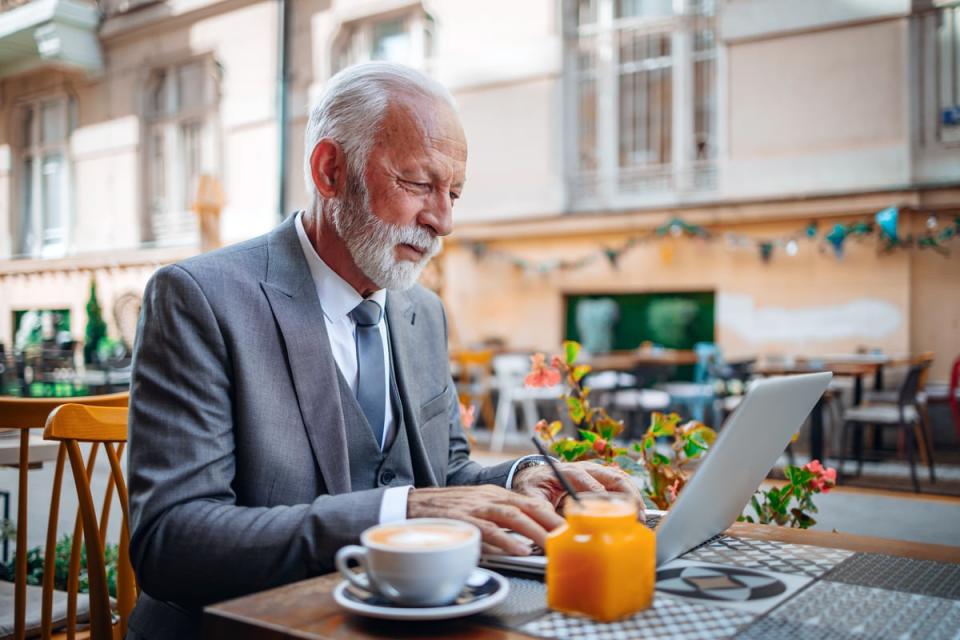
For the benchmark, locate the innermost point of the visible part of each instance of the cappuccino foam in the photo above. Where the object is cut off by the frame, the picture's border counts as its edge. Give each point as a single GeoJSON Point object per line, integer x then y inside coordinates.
{"type": "Point", "coordinates": [420, 536]}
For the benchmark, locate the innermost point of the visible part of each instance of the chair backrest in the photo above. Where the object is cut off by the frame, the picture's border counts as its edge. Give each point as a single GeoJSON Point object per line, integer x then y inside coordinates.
{"type": "Point", "coordinates": [907, 394]}
{"type": "Point", "coordinates": [26, 414]}
{"type": "Point", "coordinates": [708, 356]}
{"type": "Point", "coordinates": [510, 369]}
{"type": "Point", "coordinates": [72, 424]}
{"type": "Point", "coordinates": [925, 358]}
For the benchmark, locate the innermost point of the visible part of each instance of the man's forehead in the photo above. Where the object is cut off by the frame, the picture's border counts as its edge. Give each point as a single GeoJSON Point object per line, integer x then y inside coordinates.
{"type": "Point", "coordinates": [414, 120]}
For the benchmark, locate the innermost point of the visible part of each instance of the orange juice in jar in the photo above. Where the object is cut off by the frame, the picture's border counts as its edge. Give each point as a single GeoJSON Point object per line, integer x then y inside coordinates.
{"type": "Point", "coordinates": [603, 562]}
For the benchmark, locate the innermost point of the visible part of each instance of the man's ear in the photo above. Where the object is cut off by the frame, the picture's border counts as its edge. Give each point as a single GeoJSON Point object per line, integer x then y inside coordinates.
{"type": "Point", "coordinates": [328, 168]}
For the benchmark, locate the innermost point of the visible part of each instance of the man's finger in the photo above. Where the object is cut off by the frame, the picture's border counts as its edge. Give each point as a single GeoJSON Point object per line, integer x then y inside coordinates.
{"type": "Point", "coordinates": [512, 518]}
{"type": "Point", "coordinates": [614, 481]}
{"type": "Point", "coordinates": [581, 480]}
{"type": "Point", "coordinates": [540, 510]}
{"type": "Point", "coordinates": [493, 534]}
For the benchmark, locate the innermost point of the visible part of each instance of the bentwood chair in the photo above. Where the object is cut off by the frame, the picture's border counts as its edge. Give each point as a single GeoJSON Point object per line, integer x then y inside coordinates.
{"type": "Point", "coordinates": [30, 612]}
{"type": "Point", "coordinates": [72, 424]}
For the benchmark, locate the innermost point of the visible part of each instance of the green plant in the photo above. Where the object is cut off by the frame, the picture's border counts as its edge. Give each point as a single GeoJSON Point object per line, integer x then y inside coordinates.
{"type": "Point", "coordinates": [96, 327]}
{"type": "Point", "coordinates": [790, 504]}
{"type": "Point", "coordinates": [663, 469]}
{"type": "Point", "coordinates": [61, 569]}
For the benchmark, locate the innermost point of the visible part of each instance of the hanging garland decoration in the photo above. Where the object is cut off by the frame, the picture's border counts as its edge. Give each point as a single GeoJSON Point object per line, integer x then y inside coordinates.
{"type": "Point", "coordinates": [884, 226]}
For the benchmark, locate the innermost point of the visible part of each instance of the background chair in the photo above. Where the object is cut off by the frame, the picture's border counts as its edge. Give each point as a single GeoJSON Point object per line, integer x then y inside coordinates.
{"type": "Point", "coordinates": [473, 370]}
{"type": "Point", "coordinates": [922, 430]}
{"type": "Point", "coordinates": [509, 371]}
{"type": "Point", "coordinates": [29, 610]}
{"type": "Point", "coordinates": [905, 415]}
{"type": "Point", "coordinates": [72, 424]}
{"type": "Point", "coordinates": [696, 395]}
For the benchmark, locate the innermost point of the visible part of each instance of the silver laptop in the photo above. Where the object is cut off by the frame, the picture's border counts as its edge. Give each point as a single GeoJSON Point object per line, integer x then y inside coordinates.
{"type": "Point", "coordinates": [747, 447]}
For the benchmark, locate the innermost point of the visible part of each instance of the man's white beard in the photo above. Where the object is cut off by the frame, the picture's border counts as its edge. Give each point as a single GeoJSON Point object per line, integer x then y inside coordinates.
{"type": "Point", "coordinates": [372, 243]}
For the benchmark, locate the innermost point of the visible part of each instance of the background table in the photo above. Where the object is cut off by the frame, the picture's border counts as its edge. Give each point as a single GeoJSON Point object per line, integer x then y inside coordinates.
{"type": "Point", "coordinates": [306, 609]}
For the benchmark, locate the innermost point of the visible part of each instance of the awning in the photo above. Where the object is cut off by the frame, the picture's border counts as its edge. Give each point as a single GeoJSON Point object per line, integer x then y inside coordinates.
{"type": "Point", "coordinates": [59, 33]}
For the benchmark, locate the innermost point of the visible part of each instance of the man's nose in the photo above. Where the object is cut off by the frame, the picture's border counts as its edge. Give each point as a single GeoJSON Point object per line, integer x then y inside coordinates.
{"type": "Point", "coordinates": [438, 215]}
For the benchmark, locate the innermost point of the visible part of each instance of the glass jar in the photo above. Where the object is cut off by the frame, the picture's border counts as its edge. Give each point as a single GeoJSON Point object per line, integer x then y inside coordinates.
{"type": "Point", "coordinates": [603, 562]}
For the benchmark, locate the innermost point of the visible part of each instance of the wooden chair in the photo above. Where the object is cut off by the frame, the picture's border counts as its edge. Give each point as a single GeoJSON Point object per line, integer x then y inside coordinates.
{"type": "Point", "coordinates": [25, 414]}
{"type": "Point", "coordinates": [72, 424]}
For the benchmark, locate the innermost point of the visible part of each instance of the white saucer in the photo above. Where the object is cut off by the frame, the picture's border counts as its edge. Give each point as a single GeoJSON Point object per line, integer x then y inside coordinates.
{"type": "Point", "coordinates": [484, 589]}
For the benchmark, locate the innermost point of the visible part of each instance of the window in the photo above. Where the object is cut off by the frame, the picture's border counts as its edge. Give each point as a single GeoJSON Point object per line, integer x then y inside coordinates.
{"type": "Point", "coordinates": [939, 74]}
{"type": "Point", "coordinates": [405, 37]}
{"type": "Point", "coordinates": [181, 143]}
{"type": "Point", "coordinates": [44, 177]}
{"type": "Point", "coordinates": [642, 76]}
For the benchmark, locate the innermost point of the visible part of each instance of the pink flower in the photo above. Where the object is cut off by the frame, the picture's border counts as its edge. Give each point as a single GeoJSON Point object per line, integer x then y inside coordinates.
{"type": "Point", "coordinates": [599, 445]}
{"type": "Point", "coordinates": [672, 490]}
{"type": "Point", "coordinates": [824, 478]}
{"type": "Point", "coordinates": [540, 374]}
{"type": "Point", "coordinates": [467, 415]}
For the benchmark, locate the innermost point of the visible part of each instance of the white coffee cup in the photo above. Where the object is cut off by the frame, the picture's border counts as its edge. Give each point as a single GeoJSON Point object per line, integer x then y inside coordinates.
{"type": "Point", "coordinates": [423, 562]}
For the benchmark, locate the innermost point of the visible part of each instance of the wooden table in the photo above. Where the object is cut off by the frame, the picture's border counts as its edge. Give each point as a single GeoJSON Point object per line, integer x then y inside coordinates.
{"type": "Point", "coordinates": [307, 610]}
{"type": "Point", "coordinates": [630, 360]}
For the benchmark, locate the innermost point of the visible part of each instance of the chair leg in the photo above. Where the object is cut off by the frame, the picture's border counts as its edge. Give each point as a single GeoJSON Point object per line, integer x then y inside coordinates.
{"type": "Point", "coordinates": [842, 459]}
{"type": "Point", "coordinates": [502, 421]}
{"type": "Point", "coordinates": [911, 455]}
{"type": "Point", "coordinates": [858, 447]}
{"type": "Point", "coordinates": [927, 440]}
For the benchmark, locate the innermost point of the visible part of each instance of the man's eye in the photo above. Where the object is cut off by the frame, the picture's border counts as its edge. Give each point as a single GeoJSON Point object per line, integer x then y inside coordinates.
{"type": "Point", "coordinates": [417, 185]}
{"type": "Point", "coordinates": [454, 196]}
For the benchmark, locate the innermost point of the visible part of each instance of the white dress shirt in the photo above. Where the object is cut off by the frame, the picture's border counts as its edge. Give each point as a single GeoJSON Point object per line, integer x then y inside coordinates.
{"type": "Point", "coordinates": [338, 299]}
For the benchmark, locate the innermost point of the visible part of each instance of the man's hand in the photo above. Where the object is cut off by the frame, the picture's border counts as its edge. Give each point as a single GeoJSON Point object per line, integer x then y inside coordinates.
{"type": "Point", "coordinates": [584, 477]}
{"type": "Point", "coordinates": [492, 509]}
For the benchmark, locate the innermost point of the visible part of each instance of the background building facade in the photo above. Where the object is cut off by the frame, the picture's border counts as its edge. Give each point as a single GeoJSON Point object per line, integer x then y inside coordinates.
{"type": "Point", "coordinates": [596, 129]}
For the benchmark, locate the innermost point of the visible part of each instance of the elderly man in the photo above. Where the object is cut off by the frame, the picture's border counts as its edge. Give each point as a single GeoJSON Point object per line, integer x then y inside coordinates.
{"type": "Point", "coordinates": [293, 390]}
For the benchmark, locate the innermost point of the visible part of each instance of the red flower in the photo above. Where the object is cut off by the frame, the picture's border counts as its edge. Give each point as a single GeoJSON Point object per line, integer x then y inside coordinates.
{"type": "Point", "coordinates": [599, 445]}
{"type": "Point", "coordinates": [540, 374]}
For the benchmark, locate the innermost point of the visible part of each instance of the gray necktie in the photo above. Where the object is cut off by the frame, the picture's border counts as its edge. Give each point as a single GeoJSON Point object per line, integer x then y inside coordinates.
{"type": "Point", "coordinates": [371, 388]}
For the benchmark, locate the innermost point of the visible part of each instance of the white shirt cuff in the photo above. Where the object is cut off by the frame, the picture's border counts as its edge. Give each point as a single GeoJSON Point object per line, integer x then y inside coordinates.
{"type": "Point", "coordinates": [516, 464]}
{"type": "Point", "coordinates": [393, 507]}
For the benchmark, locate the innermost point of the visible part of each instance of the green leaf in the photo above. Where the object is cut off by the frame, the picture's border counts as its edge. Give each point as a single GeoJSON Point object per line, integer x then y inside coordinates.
{"type": "Point", "coordinates": [571, 349]}
{"type": "Point", "coordinates": [692, 450]}
{"type": "Point", "coordinates": [662, 425]}
{"type": "Point", "coordinates": [659, 458]}
{"type": "Point", "coordinates": [581, 449]}
{"type": "Point", "coordinates": [575, 408]}
{"type": "Point", "coordinates": [589, 436]}
{"type": "Point", "coordinates": [802, 519]}
{"type": "Point", "coordinates": [555, 427]}
{"type": "Point", "coordinates": [579, 371]}
{"type": "Point", "coordinates": [637, 447]}
{"type": "Point", "coordinates": [756, 505]}
{"type": "Point", "coordinates": [647, 442]}
{"type": "Point", "coordinates": [608, 427]}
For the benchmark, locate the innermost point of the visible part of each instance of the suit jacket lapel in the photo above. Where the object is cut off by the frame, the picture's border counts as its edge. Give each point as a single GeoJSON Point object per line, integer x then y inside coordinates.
{"type": "Point", "coordinates": [401, 320]}
{"type": "Point", "coordinates": [293, 298]}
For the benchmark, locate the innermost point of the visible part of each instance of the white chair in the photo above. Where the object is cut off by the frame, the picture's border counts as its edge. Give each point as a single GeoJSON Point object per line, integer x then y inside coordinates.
{"type": "Point", "coordinates": [509, 371]}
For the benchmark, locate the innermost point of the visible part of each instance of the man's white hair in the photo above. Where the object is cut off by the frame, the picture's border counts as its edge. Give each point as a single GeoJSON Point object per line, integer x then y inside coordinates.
{"type": "Point", "coordinates": [352, 107]}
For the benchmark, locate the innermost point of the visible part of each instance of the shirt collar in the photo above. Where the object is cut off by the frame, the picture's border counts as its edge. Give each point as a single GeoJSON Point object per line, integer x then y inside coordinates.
{"type": "Point", "coordinates": [337, 297]}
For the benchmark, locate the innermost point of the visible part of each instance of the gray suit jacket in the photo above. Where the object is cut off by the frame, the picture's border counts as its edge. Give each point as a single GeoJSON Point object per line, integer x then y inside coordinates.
{"type": "Point", "coordinates": [246, 470]}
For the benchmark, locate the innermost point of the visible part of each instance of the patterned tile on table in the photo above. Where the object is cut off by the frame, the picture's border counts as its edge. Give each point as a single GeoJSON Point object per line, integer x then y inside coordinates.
{"type": "Point", "coordinates": [732, 587]}
{"type": "Point", "coordinates": [834, 609]}
{"type": "Point", "coordinates": [926, 577]}
{"type": "Point", "coordinates": [669, 617]}
{"type": "Point", "coordinates": [780, 557]}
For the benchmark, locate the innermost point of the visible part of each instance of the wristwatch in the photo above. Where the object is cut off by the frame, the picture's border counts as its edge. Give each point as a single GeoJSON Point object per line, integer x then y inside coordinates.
{"type": "Point", "coordinates": [532, 461]}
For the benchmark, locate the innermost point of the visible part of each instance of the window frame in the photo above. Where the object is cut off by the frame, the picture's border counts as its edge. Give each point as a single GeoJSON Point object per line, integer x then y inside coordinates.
{"type": "Point", "coordinates": [176, 224]}
{"type": "Point", "coordinates": [354, 40]}
{"type": "Point", "coordinates": [685, 177]}
{"type": "Point", "coordinates": [35, 148]}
